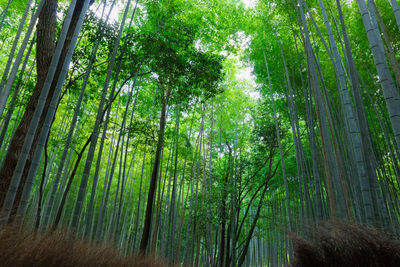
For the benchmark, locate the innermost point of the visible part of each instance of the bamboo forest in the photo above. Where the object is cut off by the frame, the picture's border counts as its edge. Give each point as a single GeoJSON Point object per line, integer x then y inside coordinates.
{"type": "Point", "coordinates": [206, 132]}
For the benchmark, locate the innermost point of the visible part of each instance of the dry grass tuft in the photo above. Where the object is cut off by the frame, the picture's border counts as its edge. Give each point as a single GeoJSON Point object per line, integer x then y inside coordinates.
{"type": "Point", "coordinates": [345, 244]}
{"type": "Point", "coordinates": [61, 249]}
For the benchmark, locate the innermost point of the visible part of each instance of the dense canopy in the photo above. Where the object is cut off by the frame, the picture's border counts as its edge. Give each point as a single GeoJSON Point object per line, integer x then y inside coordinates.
{"type": "Point", "coordinates": [200, 131]}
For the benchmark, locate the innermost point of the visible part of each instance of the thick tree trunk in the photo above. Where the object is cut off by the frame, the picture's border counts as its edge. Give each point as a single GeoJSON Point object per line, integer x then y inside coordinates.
{"type": "Point", "coordinates": [390, 53]}
{"type": "Point", "coordinates": [390, 93]}
{"type": "Point", "coordinates": [44, 51]}
{"type": "Point", "coordinates": [396, 11]}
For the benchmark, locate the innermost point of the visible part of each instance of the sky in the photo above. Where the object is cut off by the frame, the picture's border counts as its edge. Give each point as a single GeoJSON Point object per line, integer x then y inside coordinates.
{"type": "Point", "coordinates": [119, 6]}
{"type": "Point", "coordinates": [249, 3]}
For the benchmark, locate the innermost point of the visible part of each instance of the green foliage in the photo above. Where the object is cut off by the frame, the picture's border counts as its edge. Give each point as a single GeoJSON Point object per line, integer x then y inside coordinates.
{"type": "Point", "coordinates": [204, 51]}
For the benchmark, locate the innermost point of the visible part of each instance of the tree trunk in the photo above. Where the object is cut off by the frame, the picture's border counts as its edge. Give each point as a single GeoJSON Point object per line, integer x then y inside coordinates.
{"type": "Point", "coordinates": [390, 93]}
{"type": "Point", "coordinates": [44, 51]}
{"type": "Point", "coordinates": [153, 182]}
{"type": "Point", "coordinates": [388, 48]}
{"type": "Point", "coordinates": [223, 211]}
{"type": "Point", "coordinates": [396, 11]}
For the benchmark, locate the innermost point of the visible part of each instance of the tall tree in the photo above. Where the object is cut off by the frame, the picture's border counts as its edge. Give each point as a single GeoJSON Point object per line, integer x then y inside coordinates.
{"type": "Point", "coordinates": [45, 48]}
{"type": "Point", "coordinates": [183, 73]}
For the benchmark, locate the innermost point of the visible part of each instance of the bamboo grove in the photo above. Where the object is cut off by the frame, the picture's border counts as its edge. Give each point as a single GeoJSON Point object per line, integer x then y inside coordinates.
{"type": "Point", "coordinates": [200, 131]}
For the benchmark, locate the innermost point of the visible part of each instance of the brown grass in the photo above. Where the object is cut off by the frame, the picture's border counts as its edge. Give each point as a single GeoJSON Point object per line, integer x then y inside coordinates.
{"type": "Point", "coordinates": [61, 249]}
{"type": "Point", "coordinates": [345, 244]}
